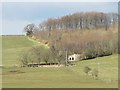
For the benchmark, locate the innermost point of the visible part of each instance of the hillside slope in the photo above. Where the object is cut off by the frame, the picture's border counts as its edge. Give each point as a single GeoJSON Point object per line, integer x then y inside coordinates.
{"type": "Point", "coordinates": [64, 77]}
{"type": "Point", "coordinates": [12, 46]}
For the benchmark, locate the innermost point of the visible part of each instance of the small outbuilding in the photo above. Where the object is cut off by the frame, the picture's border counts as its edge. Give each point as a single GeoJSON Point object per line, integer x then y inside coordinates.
{"type": "Point", "coordinates": [74, 57]}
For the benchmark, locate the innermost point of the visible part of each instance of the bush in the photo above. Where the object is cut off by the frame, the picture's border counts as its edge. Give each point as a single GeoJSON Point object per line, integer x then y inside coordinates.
{"type": "Point", "coordinates": [24, 59]}
{"type": "Point", "coordinates": [95, 73]}
{"type": "Point", "coordinates": [87, 69]}
{"type": "Point", "coordinates": [91, 72]}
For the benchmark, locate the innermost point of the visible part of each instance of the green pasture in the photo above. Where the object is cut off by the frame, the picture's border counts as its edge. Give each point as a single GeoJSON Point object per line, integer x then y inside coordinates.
{"type": "Point", "coordinates": [53, 77]}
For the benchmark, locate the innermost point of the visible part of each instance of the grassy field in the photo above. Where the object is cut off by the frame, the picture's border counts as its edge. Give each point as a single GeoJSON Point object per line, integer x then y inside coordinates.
{"type": "Point", "coordinates": [12, 47]}
{"type": "Point", "coordinates": [62, 77]}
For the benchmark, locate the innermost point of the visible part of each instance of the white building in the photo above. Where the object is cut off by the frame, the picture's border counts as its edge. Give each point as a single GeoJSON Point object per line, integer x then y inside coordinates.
{"type": "Point", "coordinates": [74, 57]}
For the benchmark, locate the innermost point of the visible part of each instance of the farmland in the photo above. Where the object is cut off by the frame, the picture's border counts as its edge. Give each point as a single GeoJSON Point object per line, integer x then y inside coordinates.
{"type": "Point", "coordinates": [61, 77]}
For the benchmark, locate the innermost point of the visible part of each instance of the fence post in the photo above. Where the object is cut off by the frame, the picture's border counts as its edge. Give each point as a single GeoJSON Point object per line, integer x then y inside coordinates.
{"type": "Point", "coordinates": [66, 58]}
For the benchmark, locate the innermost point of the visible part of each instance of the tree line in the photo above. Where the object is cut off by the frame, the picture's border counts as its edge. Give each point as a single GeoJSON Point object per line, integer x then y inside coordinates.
{"type": "Point", "coordinates": [76, 21]}
{"type": "Point", "coordinates": [39, 54]}
{"type": "Point", "coordinates": [88, 20]}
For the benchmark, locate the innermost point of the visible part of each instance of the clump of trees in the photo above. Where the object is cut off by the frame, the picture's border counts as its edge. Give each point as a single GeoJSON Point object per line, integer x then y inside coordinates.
{"type": "Point", "coordinates": [90, 43]}
{"type": "Point", "coordinates": [82, 20]}
{"type": "Point", "coordinates": [93, 72]}
{"type": "Point", "coordinates": [39, 54]}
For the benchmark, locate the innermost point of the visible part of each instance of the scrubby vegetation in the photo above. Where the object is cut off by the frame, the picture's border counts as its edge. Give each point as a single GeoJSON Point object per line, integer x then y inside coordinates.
{"type": "Point", "coordinates": [39, 54]}
{"type": "Point", "coordinates": [92, 72]}
{"type": "Point", "coordinates": [91, 34]}
{"type": "Point", "coordinates": [87, 69]}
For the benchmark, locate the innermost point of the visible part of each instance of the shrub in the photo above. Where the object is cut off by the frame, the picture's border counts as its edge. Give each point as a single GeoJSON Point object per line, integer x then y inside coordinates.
{"type": "Point", "coordinates": [87, 69]}
{"type": "Point", "coordinates": [95, 73]}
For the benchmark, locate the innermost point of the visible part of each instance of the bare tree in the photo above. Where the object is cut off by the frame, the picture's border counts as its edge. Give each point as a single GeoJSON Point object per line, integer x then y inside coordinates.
{"type": "Point", "coordinates": [29, 29]}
